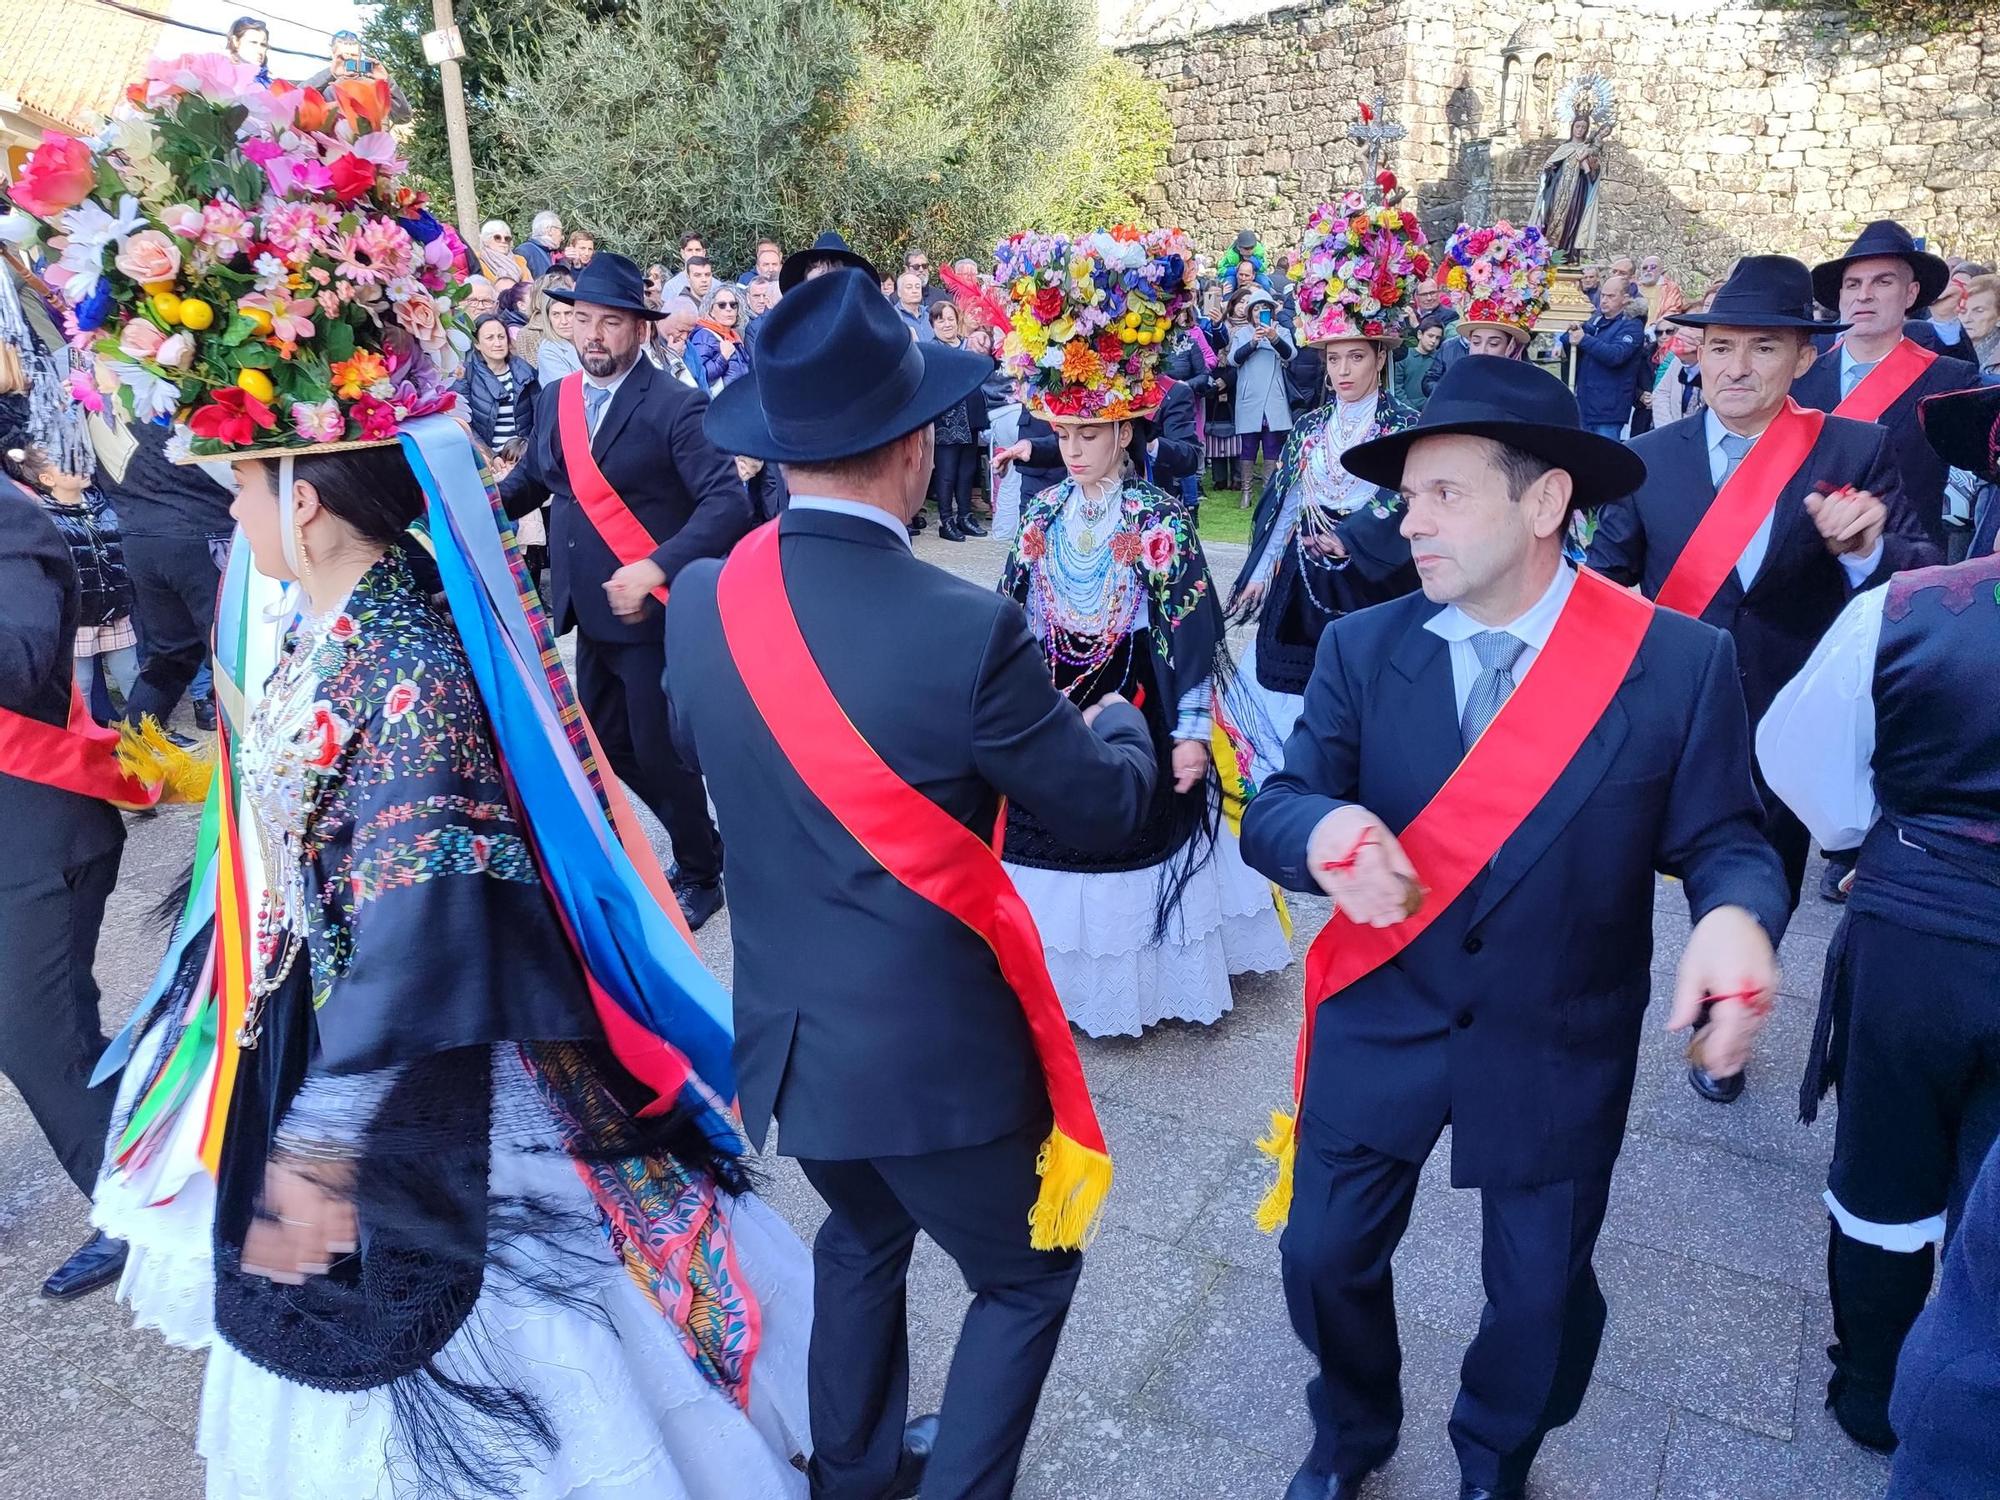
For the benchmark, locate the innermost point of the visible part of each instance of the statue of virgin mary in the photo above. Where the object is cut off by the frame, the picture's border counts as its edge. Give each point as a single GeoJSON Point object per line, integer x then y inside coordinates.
{"type": "Point", "coordinates": [1566, 205]}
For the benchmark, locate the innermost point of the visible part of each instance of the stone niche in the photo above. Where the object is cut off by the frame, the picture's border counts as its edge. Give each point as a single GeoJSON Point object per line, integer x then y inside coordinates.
{"type": "Point", "coordinates": [1738, 129]}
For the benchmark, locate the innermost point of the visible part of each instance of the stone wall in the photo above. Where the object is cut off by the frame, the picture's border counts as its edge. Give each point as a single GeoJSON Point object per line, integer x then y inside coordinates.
{"type": "Point", "coordinates": [1738, 129]}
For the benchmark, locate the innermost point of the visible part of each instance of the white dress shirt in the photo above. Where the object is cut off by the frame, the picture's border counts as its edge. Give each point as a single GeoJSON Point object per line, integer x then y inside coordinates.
{"type": "Point", "coordinates": [1531, 629]}
{"type": "Point", "coordinates": [859, 508]}
{"type": "Point", "coordinates": [1856, 568]}
{"type": "Point", "coordinates": [1817, 741]}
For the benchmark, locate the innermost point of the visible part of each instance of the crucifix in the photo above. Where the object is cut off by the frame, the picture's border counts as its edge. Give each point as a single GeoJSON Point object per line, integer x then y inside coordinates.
{"type": "Point", "coordinates": [1371, 130]}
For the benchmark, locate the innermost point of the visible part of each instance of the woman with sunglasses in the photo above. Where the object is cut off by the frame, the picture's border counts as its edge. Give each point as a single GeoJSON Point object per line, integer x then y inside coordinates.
{"type": "Point", "coordinates": [717, 341]}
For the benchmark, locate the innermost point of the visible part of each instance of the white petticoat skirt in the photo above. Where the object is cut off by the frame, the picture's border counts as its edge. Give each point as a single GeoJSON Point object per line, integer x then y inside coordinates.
{"type": "Point", "coordinates": [1281, 710]}
{"type": "Point", "coordinates": [635, 1419]}
{"type": "Point", "coordinates": [1114, 980]}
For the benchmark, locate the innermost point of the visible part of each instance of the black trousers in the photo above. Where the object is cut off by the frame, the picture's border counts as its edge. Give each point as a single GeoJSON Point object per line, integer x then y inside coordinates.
{"type": "Point", "coordinates": [1525, 1372]}
{"type": "Point", "coordinates": [50, 1036]}
{"type": "Point", "coordinates": [974, 1203]}
{"type": "Point", "coordinates": [174, 583]}
{"type": "Point", "coordinates": [1787, 835]}
{"type": "Point", "coordinates": [951, 479]}
{"type": "Point", "coordinates": [621, 689]}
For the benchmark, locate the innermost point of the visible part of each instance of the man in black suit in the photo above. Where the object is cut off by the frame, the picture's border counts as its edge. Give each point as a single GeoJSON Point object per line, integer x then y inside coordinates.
{"type": "Point", "coordinates": [1514, 1014]}
{"type": "Point", "coordinates": [1876, 285]}
{"type": "Point", "coordinates": [646, 439]}
{"type": "Point", "coordinates": [63, 850]}
{"type": "Point", "coordinates": [872, 1024]}
{"type": "Point", "coordinates": [1835, 524]}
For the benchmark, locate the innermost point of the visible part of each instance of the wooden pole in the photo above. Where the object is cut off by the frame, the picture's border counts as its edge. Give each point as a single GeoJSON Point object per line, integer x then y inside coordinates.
{"type": "Point", "coordinates": [465, 197]}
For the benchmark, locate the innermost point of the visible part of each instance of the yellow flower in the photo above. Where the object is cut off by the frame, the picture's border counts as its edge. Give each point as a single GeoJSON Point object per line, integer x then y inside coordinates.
{"type": "Point", "coordinates": [1023, 288]}
{"type": "Point", "coordinates": [1013, 346]}
{"type": "Point", "coordinates": [1455, 278]}
{"type": "Point", "coordinates": [1334, 287]}
{"type": "Point", "coordinates": [1034, 336]}
{"type": "Point", "coordinates": [1063, 329]}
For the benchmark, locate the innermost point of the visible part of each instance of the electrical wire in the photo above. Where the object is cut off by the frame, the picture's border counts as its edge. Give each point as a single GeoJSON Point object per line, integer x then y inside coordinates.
{"type": "Point", "coordinates": [150, 15]}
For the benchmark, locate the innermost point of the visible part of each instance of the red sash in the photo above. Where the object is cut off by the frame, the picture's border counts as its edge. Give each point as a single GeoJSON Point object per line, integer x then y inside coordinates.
{"type": "Point", "coordinates": [622, 531]}
{"type": "Point", "coordinates": [1746, 498]}
{"type": "Point", "coordinates": [1502, 779]}
{"type": "Point", "coordinates": [928, 851]}
{"type": "Point", "coordinates": [1884, 385]}
{"type": "Point", "coordinates": [80, 757]}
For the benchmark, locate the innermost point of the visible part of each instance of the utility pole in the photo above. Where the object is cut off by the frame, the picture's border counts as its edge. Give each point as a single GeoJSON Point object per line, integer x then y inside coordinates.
{"type": "Point", "coordinates": [445, 48]}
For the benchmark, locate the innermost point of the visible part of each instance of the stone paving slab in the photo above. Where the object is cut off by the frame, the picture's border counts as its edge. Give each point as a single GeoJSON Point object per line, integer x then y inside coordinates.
{"type": "Point", "coordinates": [1178, 1377]}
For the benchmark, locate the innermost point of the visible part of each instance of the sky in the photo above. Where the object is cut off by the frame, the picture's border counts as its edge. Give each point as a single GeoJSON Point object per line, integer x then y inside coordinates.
{"type": "Point", "coordinates": [304, 25]}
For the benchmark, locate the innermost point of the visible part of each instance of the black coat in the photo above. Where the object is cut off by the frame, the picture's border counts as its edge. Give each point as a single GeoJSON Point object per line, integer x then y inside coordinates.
{"type": "Point", "coordinates": [47, 829]}
{"type": "Point", "coordinates": [869, 1021]}
{"type": "Point", "coordinates": [481, 389]}
{"type": "Point", "coordinates": [1518, 1012]}
{"type": "Point", "coordinates": [1917, 466]}
{"type": "Point", "coordinates": [1800, 587]}
{"type": "Point", "coordinates": [651, 448]}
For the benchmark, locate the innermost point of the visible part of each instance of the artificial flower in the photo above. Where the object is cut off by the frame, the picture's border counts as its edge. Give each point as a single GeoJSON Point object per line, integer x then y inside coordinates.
{"type": "Point", "coordinates": [379, 251]}
{"type": "Point", "coordinates": [232, 416]}
{"type": "Point", "coordinates": [83, 389]}
{"type": "Point", "coordinates": [149, 256]}
{"type": "Point", "coordinates": [321, 742]}
{"type": "Point", "coordinates": [318, 421]}
{"type": "Point", "coordinates": [94, 309]}
{"type": "Point", "coordinates": [376, 416]}
{"type": "Point", "coordinates": [350, 177]}
{"type": "Point", "coordinates": [214, 76]}
{"type": "Point", "coordinates": [57, 175]}
{"type": "Point", "coordinates": [140, 339]}
{"type": "Point", "coordinates": [176, 352]}
{"type": "Point", "coordinates": [151, 396]}
{"type": "Point", "coordinates": [363, 101]}
{"type": "Point", "coordinates": [353, 376]}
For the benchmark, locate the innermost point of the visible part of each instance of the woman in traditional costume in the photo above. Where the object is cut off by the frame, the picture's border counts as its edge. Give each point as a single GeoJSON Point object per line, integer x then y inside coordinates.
{"type": "Point", "coordinates": [1115, 585]}
{"type": "Point", "coordinates": [401, 1138]}
{"type": "Point", "coordinates": [1324, 542]}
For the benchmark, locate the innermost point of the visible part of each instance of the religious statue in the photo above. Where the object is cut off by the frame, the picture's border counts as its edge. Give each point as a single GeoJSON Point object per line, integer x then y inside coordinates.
{"type": "Point", "coordinates": [1566, 205]}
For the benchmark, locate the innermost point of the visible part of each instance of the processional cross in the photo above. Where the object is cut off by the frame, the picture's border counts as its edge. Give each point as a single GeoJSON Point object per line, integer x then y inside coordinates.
{"type": "Point", "coordinates": [1371, 131]}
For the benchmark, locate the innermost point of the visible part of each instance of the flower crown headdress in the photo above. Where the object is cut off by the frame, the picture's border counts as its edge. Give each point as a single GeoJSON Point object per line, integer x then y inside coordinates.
{"type": "Point", "coordinates": [1087, 318]}
{"type": "Point", "coordinates": [1498, 277]}
{"type": "Point", "coordinates": [1358, 269]}
{"type": "Point", "coordinates": [246, 261]}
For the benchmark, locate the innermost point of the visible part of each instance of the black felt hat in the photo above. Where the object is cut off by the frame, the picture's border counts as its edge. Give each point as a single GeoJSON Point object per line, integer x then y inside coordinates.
{"type": "Point", "coordinates": [837, 373]}
{"type": "Point", "coordinates": [1964, 428]}
{"type": "Point", "coordinates": [610, 280]}
{"type": "Point", "coordinates": [1763, 291]}
{"type": "Point", "coordinates": [1885, 237]}
{"type": "Point", "coordinates": [829, 246]}
{"type": "Point", "coordinates": [1511, 402]}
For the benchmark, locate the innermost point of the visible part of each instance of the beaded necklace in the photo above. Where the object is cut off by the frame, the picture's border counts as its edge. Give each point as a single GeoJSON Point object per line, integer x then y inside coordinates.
{"type": "Point", "coordinates": [1082, 601]}
{"type": "Point", "coordinates": [1331, 493]}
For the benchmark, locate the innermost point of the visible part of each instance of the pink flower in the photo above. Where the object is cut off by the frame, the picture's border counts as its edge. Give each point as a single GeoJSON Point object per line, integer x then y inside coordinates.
{"type": "Point", "coordinates": [149, 256]}
{"type": "Point", "coordinates": [1158, 549]}
{"type": "Point", "coordinates": [380, 251]}
{"type": "Point", "coordinates": [376, 416]}
{"type": "Point", "coordinates": [140, 339]}
{"type": "Point", "coordinates": [402, 698]}
{"type": "Point", "coordinates": [183, 219]}
{"type": "Point", "coordinates": [225, 230]}
{"type": "Point", "coordinates": [57, 175]}
{"type": "Point", "coordinates": [329, 303]}
{"type": "Point", "coordinates": [176, 353]}
{"type": "Point", "coordinates": [420, 317]}
{"type": "Point", "coordinates": [318, 422]}
{"type": "Point", "coordinates": [291, 317]}
{"type": "Point", "coordinates": [213, 75]}
{"type": "Point", "coordinates": [342, 629]}
{"type": "Point", "coordinates": [84, 389]}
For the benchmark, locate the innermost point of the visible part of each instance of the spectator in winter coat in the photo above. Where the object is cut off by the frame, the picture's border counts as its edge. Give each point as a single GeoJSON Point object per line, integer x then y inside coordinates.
{"type": "Point", "coordinates": [1608, 346]}
{"type": "Point", "coordinates": [498, 387]}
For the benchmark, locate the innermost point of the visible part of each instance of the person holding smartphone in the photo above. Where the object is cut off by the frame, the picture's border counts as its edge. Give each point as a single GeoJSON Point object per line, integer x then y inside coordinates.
{"type": "Point", "coordinates": [1259, 348]}
{"type": "Point", "coordinates": [348, 59]}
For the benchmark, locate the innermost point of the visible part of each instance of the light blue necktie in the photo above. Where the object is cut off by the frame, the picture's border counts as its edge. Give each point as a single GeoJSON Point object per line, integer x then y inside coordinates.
{"type": "Point", "coordinates": [1497, 652]}
{"type": "Point", "coordinates": [594, 397]}
{"type": "Point", "coordinates": [1852, 376]}
{"type": "Point", "coordinates": [1733, 445]}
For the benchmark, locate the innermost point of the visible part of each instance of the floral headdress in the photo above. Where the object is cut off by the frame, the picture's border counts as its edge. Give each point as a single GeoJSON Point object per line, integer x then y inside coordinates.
{"type": "Point", "coordinates": [1088, 317]}
{"type": "Point", "coordinates": [1358, 270]}
{"type": "Point", "coordinates": [244, 260]}
{"type": "Point", "coordinates": [1498, 277]}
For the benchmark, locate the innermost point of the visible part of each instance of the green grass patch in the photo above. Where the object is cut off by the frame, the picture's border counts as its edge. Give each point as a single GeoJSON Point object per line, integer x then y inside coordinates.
{"type": "Point", "coordinates": [1222, 517]}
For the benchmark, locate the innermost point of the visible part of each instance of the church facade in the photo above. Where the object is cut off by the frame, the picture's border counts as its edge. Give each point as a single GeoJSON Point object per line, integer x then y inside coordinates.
{"type": "Point", "coordinates": [1732, 128]}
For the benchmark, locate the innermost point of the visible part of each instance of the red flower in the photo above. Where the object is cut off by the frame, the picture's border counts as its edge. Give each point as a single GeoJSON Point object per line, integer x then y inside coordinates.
{"type": "Point", "coordinates": [1420, 263]}
{"type": "Point", "coordinates": [57, 175]}
{"type": "Point", "coordinates": [1033, 544]}
{"type": "Point", "coordinates": [323, 740]}
{"type": "Point", "coordinates": [1385, 286]}
{"type": "Point", "coordinates": [402, 698]}
{"type": "Point", "coordinates": [1367, 114]}
{"type": "Point", "coordinates": [1409, 222]}
{"type": "Point", "coordinates": [232, 417]}
{"type": "Point", "coordinates": [1159, 549]}
{"type": "Point", "coordinates": [352, 176]}
{"type": "Point", "coordinates": [1048, 304]}
{"type": "Point", "coordinates": [1373, 328]}
{"type": "Point", "coordinates": [342, 629]}
{"type": "Point", "coordinates": [376, 416]}
{"type": "Point", "coordinates": [1125, 548]}
{"type": "Point", "coordinates": [1110, 346]}
{"type": "Point", "coordinates": [1481, 239]}
{"type": "Point", "coordinates": [1386, 180]}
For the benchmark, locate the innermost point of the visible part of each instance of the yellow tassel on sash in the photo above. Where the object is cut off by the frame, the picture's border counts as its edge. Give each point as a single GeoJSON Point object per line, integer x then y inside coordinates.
{"type": "Point", "coordinates": [146, 754]}
{"type": "Point", "coordinates": [1230, 771]}
{"type": "Point", "coordinates": [1282, 1146]}
{"type": "Point", "coordinates": [1075, 1182]}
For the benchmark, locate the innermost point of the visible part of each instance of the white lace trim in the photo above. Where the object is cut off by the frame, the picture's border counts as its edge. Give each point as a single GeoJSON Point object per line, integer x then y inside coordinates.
{"type": "Point", "coordinates": [1097, 931]}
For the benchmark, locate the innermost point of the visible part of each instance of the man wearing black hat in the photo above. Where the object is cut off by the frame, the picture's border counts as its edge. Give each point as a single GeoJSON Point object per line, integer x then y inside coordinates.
{"type": "Point", "coordinates": [1757, 515]}
{"type": "Point", "coordinates": [1485, 779]}
{"type": "Point", "coordinates": [883, 1015]}
{"type": "Point", "coordinates": [639, 493]}
{"type": "Point", "coordinates": [1876, 373]}
{"type": "Point", "coordinates": [1878, 744]}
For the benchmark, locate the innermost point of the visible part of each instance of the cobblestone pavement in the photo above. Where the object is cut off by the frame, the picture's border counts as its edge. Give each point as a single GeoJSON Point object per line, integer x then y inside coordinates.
{"type": "Point", "coordinates": [1179, 1378]}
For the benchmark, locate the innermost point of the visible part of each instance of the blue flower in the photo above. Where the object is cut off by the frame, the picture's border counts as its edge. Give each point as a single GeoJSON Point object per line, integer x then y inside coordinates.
{"type": "Point", "coordinates": [94, 309]}
{"type": "Point", "coordinates": [423, 228]}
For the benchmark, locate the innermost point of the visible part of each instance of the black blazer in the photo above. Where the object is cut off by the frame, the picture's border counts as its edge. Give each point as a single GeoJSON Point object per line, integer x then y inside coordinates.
{"type": "Point", "coordinates": [868, 1021]}
{"type": "Point", "coordinates": [1800, 587]}
{"type": "Point", "coordinates": [651, 448]}
{"type": "Point", "coordinates": [1517, 1012]}
{"type": "Point", "coordinates": [1915, 463]}
{"type": "Point", "coordinates": [47, 830]}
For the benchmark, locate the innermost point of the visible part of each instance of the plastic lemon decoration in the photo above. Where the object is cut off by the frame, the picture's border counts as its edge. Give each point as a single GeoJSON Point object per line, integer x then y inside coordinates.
{"type": "Point", "coordinates": [259, 318]}
{"type": "Point", "coordinates": [197, 314]}
{"type": "Point", "coordinates": [168, 306]}
{"type": "Point", "coordinates": [255, 383]}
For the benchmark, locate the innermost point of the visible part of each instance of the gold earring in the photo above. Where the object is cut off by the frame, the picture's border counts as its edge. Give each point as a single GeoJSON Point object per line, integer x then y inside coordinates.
{"type": "Point", "coordinates": [305, 557]}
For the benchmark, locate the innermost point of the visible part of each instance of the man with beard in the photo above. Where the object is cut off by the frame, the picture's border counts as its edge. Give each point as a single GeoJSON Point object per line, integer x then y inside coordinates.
{"type": "Point", "coordinates": [639, 493]}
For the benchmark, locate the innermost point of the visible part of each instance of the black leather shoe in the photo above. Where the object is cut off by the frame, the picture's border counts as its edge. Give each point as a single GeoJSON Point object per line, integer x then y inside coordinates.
{"type": "Point", "coordinates": [1833, 882]}
{"type": "Point", "coordinates": [919, 1438]}
{"type": "Point", "coordinates": [97, 1263]}
{"type": "Point", "coordinates": [1716, 1090]}
{"type": "Point", "coordinates": [1310, 1484]}
{"type": "Point", "coordinates": [919, 521]}
{"type": "Point", "coordinates": [1470, 1491]}
{"type": "Point", "coordinates": [948, 532]}
{"type": "Point", "coordinates": [971, 527]}
{"type": "Point", "coordinates": [204, 715]}
{"type": "Point", "coordinates": [698, 902]}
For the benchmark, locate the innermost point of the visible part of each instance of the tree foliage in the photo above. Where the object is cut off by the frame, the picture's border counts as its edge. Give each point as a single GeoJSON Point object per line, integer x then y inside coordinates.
{"type": "Point", "coordinates": [939, 122]}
